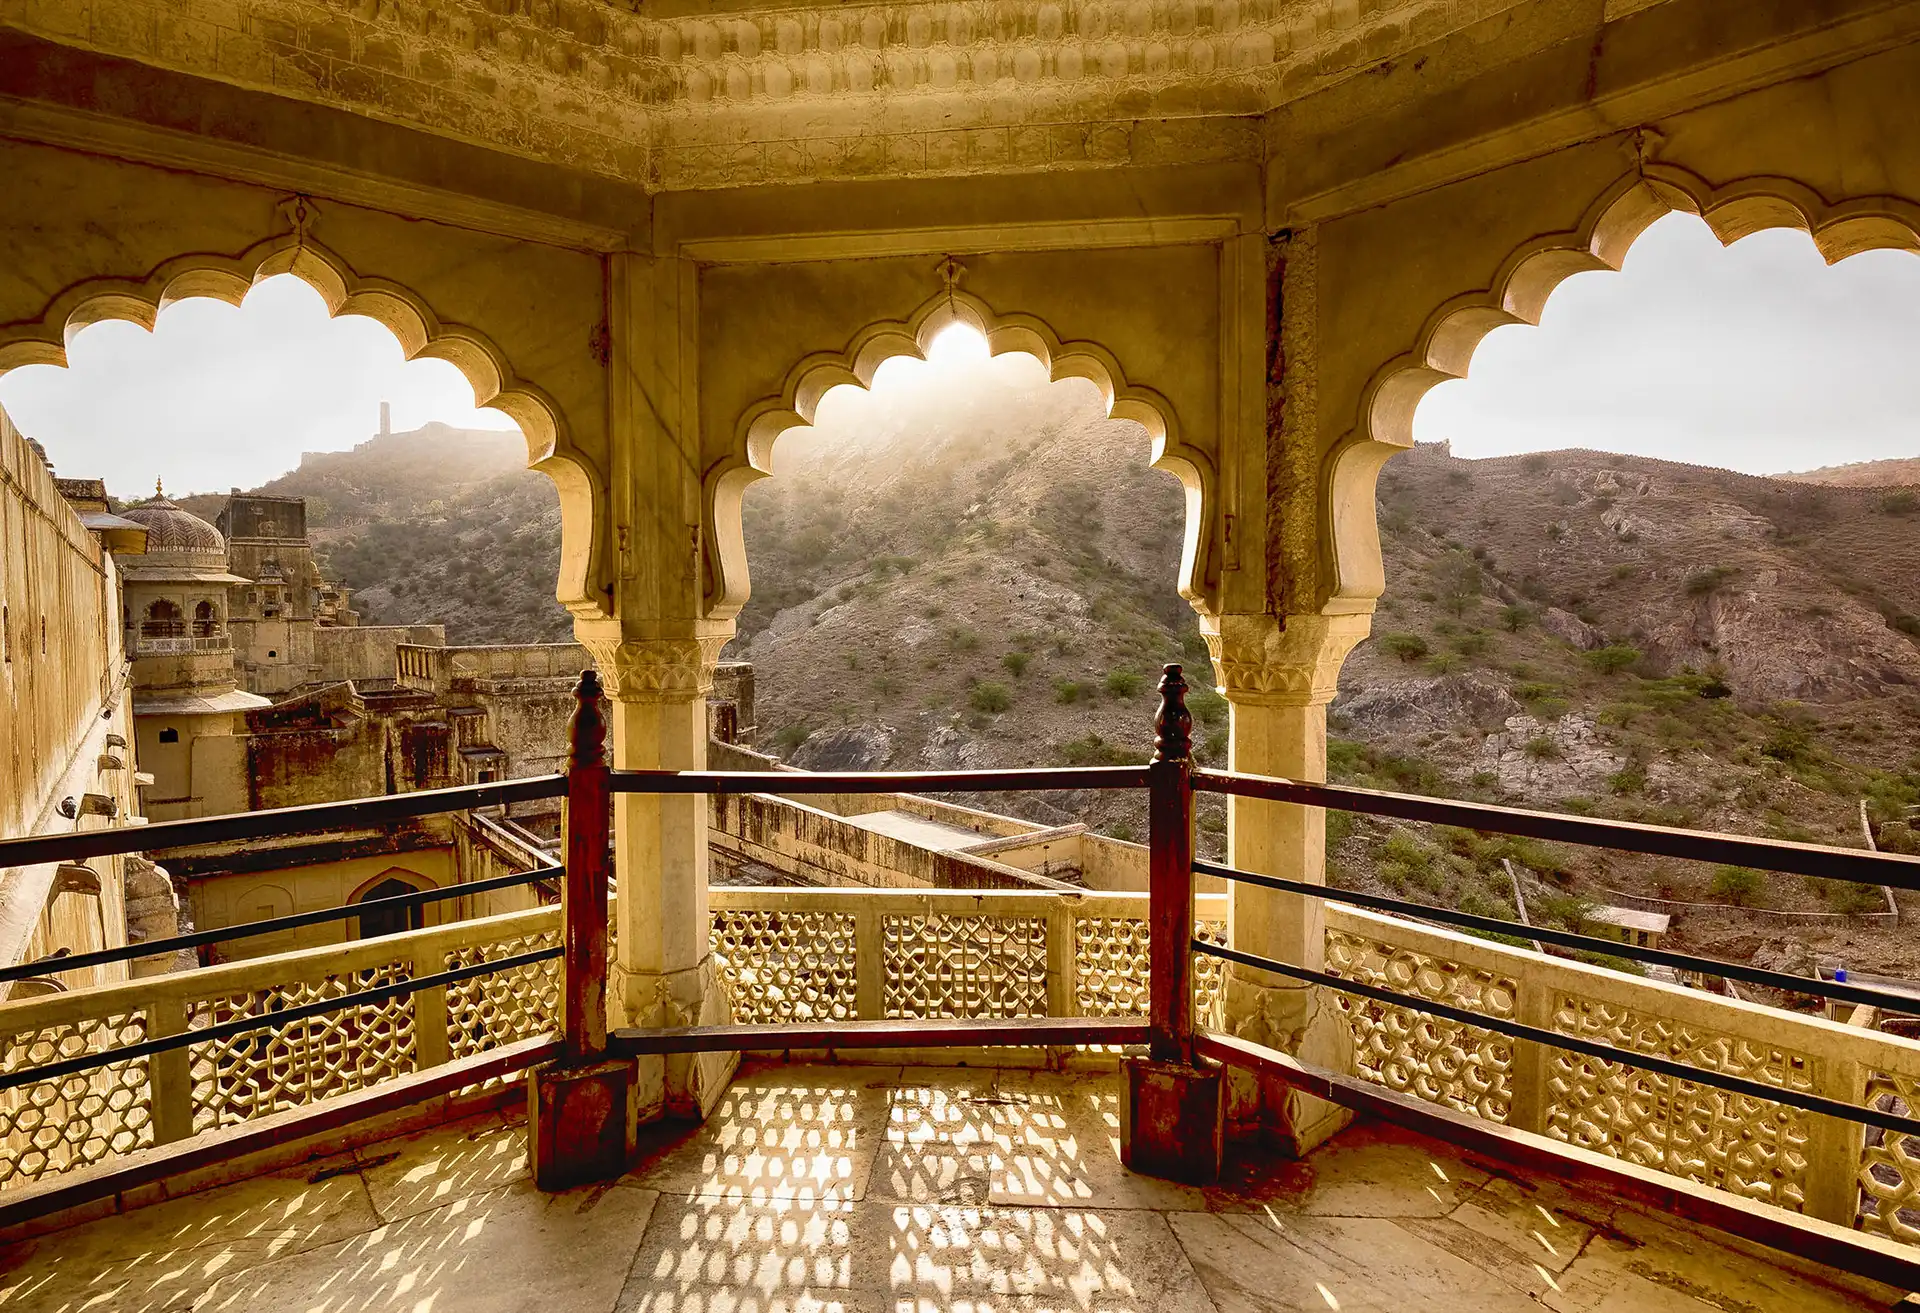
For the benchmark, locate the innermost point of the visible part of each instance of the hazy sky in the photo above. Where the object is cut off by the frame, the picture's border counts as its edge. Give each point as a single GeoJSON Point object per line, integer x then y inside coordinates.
{"type": "Point", "coordinates": [221, 396]}
{"type": "Point", "coordinates": [1757, 357]}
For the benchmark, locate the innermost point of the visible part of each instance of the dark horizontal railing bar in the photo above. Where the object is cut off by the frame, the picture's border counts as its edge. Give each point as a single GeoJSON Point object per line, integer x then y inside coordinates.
{"type": "Point", "coordinates": [1031, 780]}
{"type": "Point", "coordinates": [36, 849]}
{"type": "Point", "coordinates": [1574, 1043]}
{"type": "Point", "coordinates": [893, 1033]}
{"type": "Point", "coordinates": [242, 1025]}
{"type": "Point", "coordinates": [1857, 864]}
{"type": "Point", "coordinates": [48, 966]}
{"type": "Point", "coordinates": [1840, 990]}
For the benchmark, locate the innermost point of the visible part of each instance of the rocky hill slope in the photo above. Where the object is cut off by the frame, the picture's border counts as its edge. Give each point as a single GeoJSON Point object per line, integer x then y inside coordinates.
{"type": "Point", "coordinates": [983, 576]}
{"type": "Point", "coordinates": [439, 525]}
{"type": "Point", "coordinates": [1896, 473]}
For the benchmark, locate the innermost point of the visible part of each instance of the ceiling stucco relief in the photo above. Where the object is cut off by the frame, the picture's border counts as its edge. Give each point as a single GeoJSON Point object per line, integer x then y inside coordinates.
{"type": "Point", "coordinates": [786, 94]}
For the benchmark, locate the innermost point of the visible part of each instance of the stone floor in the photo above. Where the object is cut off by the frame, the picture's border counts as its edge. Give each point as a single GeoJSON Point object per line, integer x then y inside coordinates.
{"type": "Point", "coordinates": [869, 1188]}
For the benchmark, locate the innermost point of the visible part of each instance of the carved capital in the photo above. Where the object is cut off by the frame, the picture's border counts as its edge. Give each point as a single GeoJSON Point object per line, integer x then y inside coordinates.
{"type": "Point", "coordinates": [1281, 660]}
{"type": "Point", "coordinates": [676, 669]}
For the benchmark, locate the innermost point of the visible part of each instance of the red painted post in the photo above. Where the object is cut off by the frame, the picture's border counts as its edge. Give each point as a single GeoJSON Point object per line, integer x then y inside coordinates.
{"type": "Point", "coordinates": [583, 903]}
{"type": "Point", "coordinates": [1170, 874]}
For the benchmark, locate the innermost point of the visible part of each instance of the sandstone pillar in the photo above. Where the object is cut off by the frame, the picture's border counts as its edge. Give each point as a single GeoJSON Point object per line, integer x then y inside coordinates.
{"type": "Point", "coordinates": [1278, 674]}
{"type": "Point", "coordinates": [656, 648]}
{"type": "Point", "coordinates": [662, 972]}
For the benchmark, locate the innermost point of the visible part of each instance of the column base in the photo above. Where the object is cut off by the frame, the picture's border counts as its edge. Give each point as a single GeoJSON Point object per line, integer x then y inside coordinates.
{"type": "Point", "coordinates": [1303, 1022]}
{"type": "Point", "coordinates": [580, 1123]}
{"type": "Point", "coordinates": [682, 1086]}
{"type": "Point", "coordinates": [1173, 1120]}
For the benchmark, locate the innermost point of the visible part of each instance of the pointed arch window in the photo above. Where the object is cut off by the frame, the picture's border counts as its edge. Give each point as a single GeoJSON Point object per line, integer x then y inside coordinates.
{"type": "Point", "coordinates": [163, 620]}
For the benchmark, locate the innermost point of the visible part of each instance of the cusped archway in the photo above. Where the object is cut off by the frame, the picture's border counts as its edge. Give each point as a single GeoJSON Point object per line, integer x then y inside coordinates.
{"type": "Point", "coordinates": [420, 332]}
{"type": "Point", "coordinates": [1518, 295]}
{"type": "Point", "coordinates": [857, 363]}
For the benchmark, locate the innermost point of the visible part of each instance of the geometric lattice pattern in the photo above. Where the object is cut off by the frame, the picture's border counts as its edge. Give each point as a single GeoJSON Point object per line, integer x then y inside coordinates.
{"type": "Point", "coordinates": [964, 966]}
{"type": "Point", "coordinates": [61, 1125]}
{"type": "Point", "coordinates": [502, 1007]}
{"type": "Point", "coordinates": [1432, 1058]}
{"type": "Point", "coordinates": [1890, 1165]}
{"type": "Point", "coordinates": [264, 1071]}
{"type": "Point", "coordinates": [782, 966]}
{"type": "Point", "coordinates": [1112, 965]}
{"type": "Point", "coordinates": [1750, 1147]}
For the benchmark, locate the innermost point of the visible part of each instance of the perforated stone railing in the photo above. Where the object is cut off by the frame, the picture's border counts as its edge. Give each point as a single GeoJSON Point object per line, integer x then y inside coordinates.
{"type": "Point", "coordinates": [1763, 1151]}
{"type": "Point", "coordinates": [800, 955]}
{"type": "Point", "coordinates": [60, 1125]}
{"type": "Point", "coordinates": [865, 954]}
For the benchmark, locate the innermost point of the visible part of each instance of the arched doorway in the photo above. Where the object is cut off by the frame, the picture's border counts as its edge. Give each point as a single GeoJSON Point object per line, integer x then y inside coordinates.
{"type": "Point", "coordinates": [378, 922]}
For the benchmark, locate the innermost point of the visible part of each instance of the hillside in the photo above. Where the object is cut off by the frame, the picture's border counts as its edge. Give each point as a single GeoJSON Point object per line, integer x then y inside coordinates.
{"type": "Point", "coordinates": [439, 525]}
{"type": "Point", "coordinates": [983, 576]}
{"type": "Point", "coordinates": [1897, 473]}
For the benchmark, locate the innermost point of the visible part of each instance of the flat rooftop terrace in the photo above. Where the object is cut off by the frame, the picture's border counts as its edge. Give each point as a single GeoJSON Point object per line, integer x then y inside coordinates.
{"type": "Point", "coordinates": [875, 1187]}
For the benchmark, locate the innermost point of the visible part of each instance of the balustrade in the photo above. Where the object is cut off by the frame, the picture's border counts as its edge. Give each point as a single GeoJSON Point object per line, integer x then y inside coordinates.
{"type": "Point", "coordinates": [67, 1122]}
{"type": "Point", "coordinates": [1687, 1097]}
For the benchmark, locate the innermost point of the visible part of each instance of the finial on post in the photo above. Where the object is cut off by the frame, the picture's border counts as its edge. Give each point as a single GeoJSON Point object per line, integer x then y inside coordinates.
{"type": "Point", "coordinates": [587, 731]}
{"type": "Point", "coordinates": [1173, 725]}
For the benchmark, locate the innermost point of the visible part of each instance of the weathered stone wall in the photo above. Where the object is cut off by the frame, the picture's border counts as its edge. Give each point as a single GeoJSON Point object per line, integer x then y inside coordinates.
{"type": "Point", "coordinates": [226, 900]}
{"type": "Point", "coordinates": [822, 848]}
{"type": "Point", "coordinates": [367, 651]}
{"type": "Point", "coordinates": [63, 696]}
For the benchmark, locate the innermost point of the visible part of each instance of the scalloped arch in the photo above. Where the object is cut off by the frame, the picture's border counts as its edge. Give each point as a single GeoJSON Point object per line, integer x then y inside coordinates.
{"type": "Point", "coordinates": [407, 316]}
{"type": "Point", "coordinates": [1519, 293]}
{"type": "Point", "coordinates": [751, 457]}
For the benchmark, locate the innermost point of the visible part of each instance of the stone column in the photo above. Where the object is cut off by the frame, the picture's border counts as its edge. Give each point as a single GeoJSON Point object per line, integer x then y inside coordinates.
{"type": "Point", "coordinates": [662, 973]}
{"type": "Point", "coordinates": [1278, 674]}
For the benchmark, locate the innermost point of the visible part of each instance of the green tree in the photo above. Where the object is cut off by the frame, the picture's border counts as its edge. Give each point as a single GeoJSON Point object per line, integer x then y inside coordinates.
{"type": "Point", "coordinates": [989, 698]}
{"type": "Point", "coordinates": [1457, 581]}
{"type": "Point", "coordinates": [1739, 885]}
{"type": "Point", "coordinates": [1611, 660]}
{"type": "Point", "coordinates": [1408, 647]}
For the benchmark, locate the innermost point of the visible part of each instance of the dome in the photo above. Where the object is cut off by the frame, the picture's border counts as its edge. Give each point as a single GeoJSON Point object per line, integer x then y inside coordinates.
{"type": "Point", "coordinates": [172, 529]}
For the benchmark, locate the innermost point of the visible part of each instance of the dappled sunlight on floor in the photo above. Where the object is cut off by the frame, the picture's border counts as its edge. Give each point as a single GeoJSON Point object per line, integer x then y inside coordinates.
{"type": "Point", "coordinates": [868, 1188]}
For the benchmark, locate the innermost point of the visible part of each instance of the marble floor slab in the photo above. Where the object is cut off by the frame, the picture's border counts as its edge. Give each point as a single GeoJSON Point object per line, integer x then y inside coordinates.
{"type": "Point", "coordinates": [868, 1188]}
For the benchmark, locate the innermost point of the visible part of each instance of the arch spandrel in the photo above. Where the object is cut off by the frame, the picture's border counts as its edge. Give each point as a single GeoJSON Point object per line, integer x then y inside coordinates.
{"type": "Point", "coordinates": [91, 239]}
{"type": "Point", "coordinates": [1408, 290]}
{"type": "Point", "coordinates": [1181, 421]}
{"type": "Point", "coordinates": [1139, 323]}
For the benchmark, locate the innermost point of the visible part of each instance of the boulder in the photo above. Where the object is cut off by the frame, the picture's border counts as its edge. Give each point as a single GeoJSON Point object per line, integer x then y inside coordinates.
{"type": "Point", "coordinates": [1416, 706]}
{"type": "Point", "coordinates": [851, 747]}
{"type": "Point", "coordinates": [1567, 626]}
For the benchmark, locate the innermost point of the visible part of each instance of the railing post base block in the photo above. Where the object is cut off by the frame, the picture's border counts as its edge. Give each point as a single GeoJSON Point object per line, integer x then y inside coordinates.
{"type": "Point", "coordinates": [1173, 1120]}
{"type": "Point", "coordinates": [580, 1123]}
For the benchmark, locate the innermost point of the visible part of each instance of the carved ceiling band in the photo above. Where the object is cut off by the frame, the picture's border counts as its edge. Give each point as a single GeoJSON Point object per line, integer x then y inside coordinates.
{"type": "Point", "coordinates": [657, 101]}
